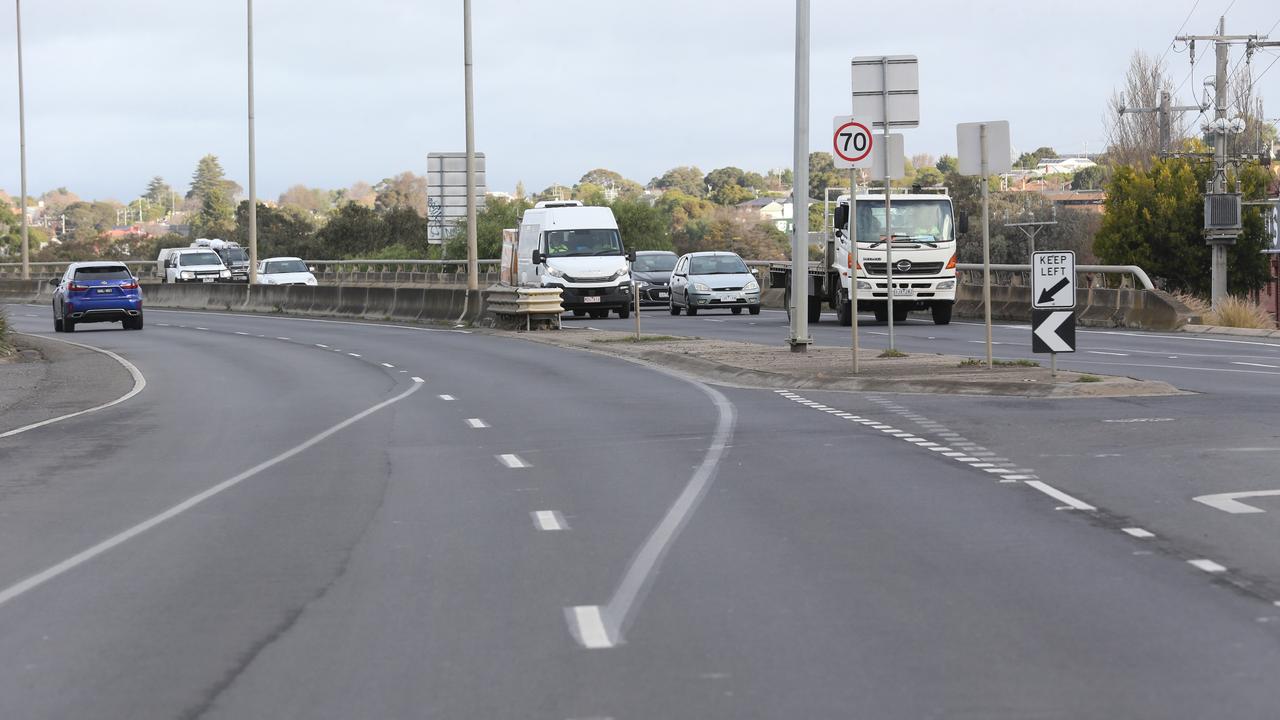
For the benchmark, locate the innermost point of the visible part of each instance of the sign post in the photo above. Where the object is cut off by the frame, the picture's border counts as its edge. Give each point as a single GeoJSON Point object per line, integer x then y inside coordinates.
{"type": "Point", "coordinates": [886, 90]}
{"type": "Point", "coordinates": [983, 149]}
{"type": "Point", "coordinates": [852, 143]}
{"type": "Point", "coordinates": [1053, 303]}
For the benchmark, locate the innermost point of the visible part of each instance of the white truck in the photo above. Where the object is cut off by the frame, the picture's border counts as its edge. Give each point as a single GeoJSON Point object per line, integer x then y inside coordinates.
{"type": "Point", "coordinates": [233, 256]}
{"type": "Point", "coordinates": [924, 229]}
{"type": "Point", "coordinates": [579, 250]}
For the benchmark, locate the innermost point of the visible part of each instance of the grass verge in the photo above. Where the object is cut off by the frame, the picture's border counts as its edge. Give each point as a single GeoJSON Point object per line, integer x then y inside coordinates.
{"type": "Point", "coordinates": [892, 353]}
{"type": "Point", "coordinates": [1240, 312]}
{"type": "Point", "coordinates": [1020, 362]}
{"type": "Point", "coordinates": [6, 348]}
{"type": "Point", "coordinates": [643, 339]}
{"type": "Point", "coordinates": [1088, 379]}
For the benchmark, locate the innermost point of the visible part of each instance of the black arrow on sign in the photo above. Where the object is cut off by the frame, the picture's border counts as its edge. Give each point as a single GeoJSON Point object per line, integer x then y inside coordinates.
{"type": "Point", "coordinates": [1047, 295]}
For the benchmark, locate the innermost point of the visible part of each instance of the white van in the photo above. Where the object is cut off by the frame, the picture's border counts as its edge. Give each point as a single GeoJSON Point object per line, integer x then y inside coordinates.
{"type": "Point", "coordinates": [191, 264]}
{"type": "Point", "coordinates": [579, 250]}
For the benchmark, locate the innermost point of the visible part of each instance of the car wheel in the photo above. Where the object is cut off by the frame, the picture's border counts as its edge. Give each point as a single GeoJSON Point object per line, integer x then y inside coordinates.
{"type": "Point", "coordinates": [579, 313]}
{"type": "Point", "coordinates": [134, 323]}
{"type": "Point", "coordinates": [941, 313]}
{"type": "Point", "coordinates": [754, 309]}
{"type": "Point", "coordinates": [68, 325]}
{"type": "Point", "coordinates": [57, 324]}
{"type": "Point", "coordinates": [692, 310]}
{"type": "Point", "coordinates": [736, 311]}
{"type": "Point", "coordinates": [599, 314]}
{"type": "Point", "coordinates": [674, 308]}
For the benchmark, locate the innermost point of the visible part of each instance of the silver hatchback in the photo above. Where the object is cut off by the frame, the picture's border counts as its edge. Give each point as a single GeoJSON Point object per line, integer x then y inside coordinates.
{"type": "Point", "coordinates": [713, 280]}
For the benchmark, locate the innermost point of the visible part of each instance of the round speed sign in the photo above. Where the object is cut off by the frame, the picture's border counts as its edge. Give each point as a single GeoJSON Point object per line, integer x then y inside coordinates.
{"type": "Point", "coordinates": [852, 142]}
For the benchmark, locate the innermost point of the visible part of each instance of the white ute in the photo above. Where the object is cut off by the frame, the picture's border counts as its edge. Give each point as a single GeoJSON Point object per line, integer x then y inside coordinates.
{"type": "Point", "coordinates": [579, 250]}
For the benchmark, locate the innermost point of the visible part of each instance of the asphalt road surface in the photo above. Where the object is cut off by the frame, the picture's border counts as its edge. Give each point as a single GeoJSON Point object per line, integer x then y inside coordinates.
{"type": "Point", "coordinates": [311, 519]}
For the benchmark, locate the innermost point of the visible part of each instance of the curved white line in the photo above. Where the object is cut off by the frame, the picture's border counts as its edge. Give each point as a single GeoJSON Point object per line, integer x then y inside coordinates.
{"type": "Point", "coordinates": [139, 382]}
{"type": "Point", "coordinates": [84, 556]}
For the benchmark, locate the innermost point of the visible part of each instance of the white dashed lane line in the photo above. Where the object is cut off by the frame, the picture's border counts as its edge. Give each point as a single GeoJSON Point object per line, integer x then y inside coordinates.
{"type": "Point", "coordinates": [477, 423]}
{"type": "Point", "coordinates": [387, 365]}
{"type": "Point", "coordinates": [1208, 566]}
{"type": "Point", "coordinates": [446, 398]}
{"type": "Point", "coordinates": [549, 520]}
{"type": "Point", "coordinates": [1138, 532]}
{"type": "Point", "coordinates": [513, 461]}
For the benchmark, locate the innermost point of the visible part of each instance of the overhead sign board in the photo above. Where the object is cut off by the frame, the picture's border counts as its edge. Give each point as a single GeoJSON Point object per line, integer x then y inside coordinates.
{"type": "Point", "coordinates": [447, 192]}
{"type": "Point", "coordinates": [851, 143]}
{"type": "Point", "coordinates": [897, 158]}
{"type": "Point", "coordinates": [1053, 331]}
{"type": "Point", "coordinates": [969, 144]}
{"type": "Point", "coordinates": [887, 85]}
{"type": "Point", "coordinates": [1053, 280]}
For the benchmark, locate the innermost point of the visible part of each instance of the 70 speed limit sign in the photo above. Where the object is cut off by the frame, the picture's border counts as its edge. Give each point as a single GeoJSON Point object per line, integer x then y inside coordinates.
{"type": "Point", "coordinates": [851, 143]}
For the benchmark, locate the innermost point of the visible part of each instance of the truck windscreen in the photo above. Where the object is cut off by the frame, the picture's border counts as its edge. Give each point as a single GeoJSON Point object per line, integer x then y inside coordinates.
{"type": "Point", "coordinates": [580, 243]}
{"type": "Point", "coordinates": [919, 220]}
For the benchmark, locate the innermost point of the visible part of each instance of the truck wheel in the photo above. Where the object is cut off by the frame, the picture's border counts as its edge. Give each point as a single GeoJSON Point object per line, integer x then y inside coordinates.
{"type": "Point", "coordinates": [900, 312]}
{"type": "Point", "coordinates": [882, 313]}
{"type": "Point", "coordinates": [942, 313]}
{"type": "Point", "coordinates": [844, 313]}
{"type": "Point", "coordinates": [599, 314]}
{"type": "Point", "coordinates": [674, 308]}
{"type": "Point", "coordinates": [624, 313]}
{"type": "Point", "coordinates": [579, 313]}
{"type": "Point", "coordinates": [815, 309]}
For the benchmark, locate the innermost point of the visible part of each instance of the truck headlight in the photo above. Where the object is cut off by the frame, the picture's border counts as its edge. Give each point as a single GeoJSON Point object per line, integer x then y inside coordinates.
{"type": "Point", "coordinates": [701, 287]}
{"type": "Point", "coordinates": [864, 285]}
{"type": "Point", "coordinates": [618, 274]}
{"type": "Point", "coordinates": [947, 285]}
{"type": "Point", "coordinates": [187, 275]}
{"type": "Point", "coordinates": [224, 273]}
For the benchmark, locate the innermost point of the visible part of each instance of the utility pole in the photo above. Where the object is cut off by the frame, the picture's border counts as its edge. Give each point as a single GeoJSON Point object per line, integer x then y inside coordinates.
{"type": "Point", "coordinates": [1222, 209]}
{"type": "Point", "coordinates": [253, 188]}
{"type": "Point", "coordinates": [1164, 118]}
{"type": "Point", "coordinates": [473, 275]}
{"type": "Point", "coordinates": [22, 151]}
{"type": "Point", "coordinates": [1032, 228]}
{"type": "Point", "coordinates": [799, 339]}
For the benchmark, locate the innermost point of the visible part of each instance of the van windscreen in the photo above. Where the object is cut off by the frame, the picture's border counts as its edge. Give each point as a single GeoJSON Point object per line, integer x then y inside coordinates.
{"type": "Point", "coordinates": [579, 243]}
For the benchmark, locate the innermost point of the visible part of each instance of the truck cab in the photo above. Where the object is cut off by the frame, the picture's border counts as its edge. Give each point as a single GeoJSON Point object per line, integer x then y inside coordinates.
{"type": "Point", "coordinates": [921, 233]}
{"type": "Point", "coordinates": [578, 249]}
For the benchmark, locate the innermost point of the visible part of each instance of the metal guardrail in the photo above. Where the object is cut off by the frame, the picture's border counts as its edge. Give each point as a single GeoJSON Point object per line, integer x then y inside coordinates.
{"type": "Point", "coordinates": [1087, 275]}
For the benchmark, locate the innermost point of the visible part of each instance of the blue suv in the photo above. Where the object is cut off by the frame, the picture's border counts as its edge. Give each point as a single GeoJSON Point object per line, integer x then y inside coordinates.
{"type": "Point", "coordinates": [91, 292]}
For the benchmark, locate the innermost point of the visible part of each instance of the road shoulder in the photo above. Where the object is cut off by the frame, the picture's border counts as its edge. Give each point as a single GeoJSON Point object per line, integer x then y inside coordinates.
{"type": "Point", "coordinates": [46, 379]}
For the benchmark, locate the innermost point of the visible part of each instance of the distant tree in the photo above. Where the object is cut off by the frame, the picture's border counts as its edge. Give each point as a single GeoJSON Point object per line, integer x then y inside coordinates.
{"type": "Point", "coordinates": [1090, 178]}
{"type": "Point", "coordinates": [519, 189]}
{"type": "Point", "coordinates": [734, 230]}
{"type": "Point", "coordinates": [601, 177]}
{"type": "Point", "coordinates": [1030, 159]}
{"type": "Point", "coordinates": [947, 164]}
{"type": "Point", "coordinates": [282, 231]}
{"type": "Point", "coordinates": [403, 190]}
{"type": "Point", "coordinates": [642, 226]}
{"type": "Point", "coordinates": [498, 214]}
{"type": "Point", "coordinates": [312, 200]}
{"type": "Point", "coordinates": [922, 160]}
{"type": "Point", "coordinates": [207, 177]}
{"type": "Point", "coordinates": [823, 174]}
{"type": "Point", "coordinates": [216, 218]}
{"type": "Point", "coordinates": [589, 194]}
{"type": "Point", "coordinates": [928, 176]}
{"type": "Point", "coordinates": [158, 192]}
{"type": "Point", "coordinates": [87, 220]}
{"type": "Point", "coordinates": [57, 200]}
{"type": "Point", "coordinates": [731, 195]}
{"type": "Point", "coordinates": [721, 177]}
{"type": "Point", "coordinates": [687, 179]}
{"type": "Point", "coordinates": [1134, 138]}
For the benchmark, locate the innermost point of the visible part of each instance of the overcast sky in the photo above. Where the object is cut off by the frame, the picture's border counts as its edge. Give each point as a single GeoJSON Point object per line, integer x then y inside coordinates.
{"type": "Point", "coordinates": [119, 91]}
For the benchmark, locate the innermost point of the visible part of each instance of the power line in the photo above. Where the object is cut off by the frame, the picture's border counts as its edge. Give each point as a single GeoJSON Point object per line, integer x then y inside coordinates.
{"type": "Point", "coordinates": [1185, 20]}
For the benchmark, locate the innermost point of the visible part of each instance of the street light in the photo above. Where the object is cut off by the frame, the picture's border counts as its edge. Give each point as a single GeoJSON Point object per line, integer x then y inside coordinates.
{"type": "Point", "coordinates": [22, 151]}
{"type": "Point", "coordinates": [253, 192]}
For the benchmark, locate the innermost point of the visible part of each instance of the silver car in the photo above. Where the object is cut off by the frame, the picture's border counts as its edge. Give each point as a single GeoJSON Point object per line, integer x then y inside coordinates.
{"type": "Point", "coordinates": [713, 280]}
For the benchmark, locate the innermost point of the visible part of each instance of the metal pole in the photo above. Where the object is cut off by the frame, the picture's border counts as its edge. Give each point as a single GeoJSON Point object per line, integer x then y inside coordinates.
{"type": "Point", "coordinates": [22, 151]}
{"type": "Point", "coordinates": [1218, 256]}
{"type": "Point", "coordinates": [473, 271]}
{"type": "Point", "coordinates": [253, 173]}
{"type": "Point", "coordinates": [986, 244]}
{"type": "Point", "coordinates": [1053, 364]}
{"type": "Point", "coordinates": [888, 216]}
{"type": "Point", "coordinates": [851, 233]}
{"type": "Point", "coordinates": [635, 294]}
{"type": "Point", "coordinates": [800, 188]}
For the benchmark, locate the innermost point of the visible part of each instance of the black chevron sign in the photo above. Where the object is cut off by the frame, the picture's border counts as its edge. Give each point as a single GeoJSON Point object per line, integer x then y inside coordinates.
{"type": "Point", "coordinates": [1053, 331]}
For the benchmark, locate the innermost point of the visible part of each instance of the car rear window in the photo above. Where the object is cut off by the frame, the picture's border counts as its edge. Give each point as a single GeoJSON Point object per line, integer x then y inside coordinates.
{"type": "Point", "coordinates": [104, 272]}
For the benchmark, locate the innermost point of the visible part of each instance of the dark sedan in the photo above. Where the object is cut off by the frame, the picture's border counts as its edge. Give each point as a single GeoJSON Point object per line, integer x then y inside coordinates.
{"type": "Point", "coordinates": [652, 274]}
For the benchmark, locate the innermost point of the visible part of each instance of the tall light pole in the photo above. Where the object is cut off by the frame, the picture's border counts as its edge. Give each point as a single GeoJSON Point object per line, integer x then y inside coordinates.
{"type": "Point", "coordinates": [253, 187]}
{"type": "Point", "coordinates": [22, 152]}
{"type": "Point", "coordinates": [799, 340]}
{"type": "Point", "coordinates": [473, 276]}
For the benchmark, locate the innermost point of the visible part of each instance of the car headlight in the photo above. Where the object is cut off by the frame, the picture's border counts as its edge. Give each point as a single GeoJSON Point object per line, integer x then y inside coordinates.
{"type": "Point", "coordinates": [311, 281]}
{"type": "Point", "coordinates": [701, 287]}
{"type": "Point", "coordinates": [751, 286]}
{"type": "Point", "coordinates": [224, 273]}
{"type": "Point", "coordinates": [187, 275]}
{"type": "Point", "coordinates": [864, 285]}
{"type": "Point", "coordinates": [642, 284]}
{"type": "Point", "coordinates": [554, 271]}
{"type": "Point", "coordinates": [946, 284]}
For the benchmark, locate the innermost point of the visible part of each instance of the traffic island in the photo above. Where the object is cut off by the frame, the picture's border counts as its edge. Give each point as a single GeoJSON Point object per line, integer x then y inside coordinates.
{"type": "Point", "coordinates": [829, 368]}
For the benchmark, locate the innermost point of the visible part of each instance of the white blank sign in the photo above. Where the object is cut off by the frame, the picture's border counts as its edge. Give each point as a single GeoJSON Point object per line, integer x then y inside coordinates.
{"type": "Point", "coordinates": [897, 158]}
{"type": "Point", "coordinates": [969, 144]}
{"type": "Point", "coordinates": [869, 79]}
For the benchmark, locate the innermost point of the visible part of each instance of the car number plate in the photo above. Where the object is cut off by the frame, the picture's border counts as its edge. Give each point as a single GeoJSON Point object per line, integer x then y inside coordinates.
{"type": "Point", "coordinates": [660, 293]}
{"type": "Point", "coordinates": [591, 299]}
{"type": "Point", "coordinates": [728, 296]}
{"type": "Point", "coordinates": [105, 291]}
{"type": "Point", "coordinates": [207, 280]}
{"type": "Point", "coordinates": [898, 292]}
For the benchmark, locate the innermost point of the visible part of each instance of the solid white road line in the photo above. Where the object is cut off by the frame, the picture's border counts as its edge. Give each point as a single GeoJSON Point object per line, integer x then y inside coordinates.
{"type": "Point", "coordinates": [322, 345]}
{"type": "Point", "coordinates": [513, 461]}
{"type": "Point", "coordinates": [1230, 502]}
{"type": "Point", "coordinates": [587, 624]}
{"type": "Point", "coordinates": [1102, 352]}
{"type": "Point", "coordinates": [477, 423]}
{"type": "Point", "coordinates": [139, 382]}
{"type": "Point", "coordinates": [1255, 364]}
{"type": "Point", "coordinates": [353, 355]}
{"type": "Point", "coordinates": [283, 338]}
{"type": "Point", "coordinates": [1138, 532]}
{"type": "Point", "coordinates": [418, 379]}
{"type": "Point", "coordinates": [72, 562]}
{"type": "Point", "coordinates": [1208, 565]}
{"type": "Point", "coordinates": [237, 332]}
{"type": "Point", "coordinates": [200, 328]}
{"type": "Point", "coordinates": [548, 520]}
{"type": "Point", "coordinates": [446, 398]}
{"type": "Point", "coordinates": [1058, 495]}
{"type": "Point", "coordinates": [387, 365]}
{"type": "Point", "coordinates": [311, 320]}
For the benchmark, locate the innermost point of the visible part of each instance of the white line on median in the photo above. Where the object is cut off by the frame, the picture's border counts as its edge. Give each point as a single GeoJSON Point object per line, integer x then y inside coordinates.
{"type": "Point", "coordinates": [1138, 532]}
{"type": "Point", "coordinates": [1255, 364]}
{"type": "Point", "coordinates": [237, 332]}
{"type": "Point", "coordinates": [446, 398]}
{"type": "Point", "coordinates": [417, 379]}
{"type": "Point", "coordinates": [72, 562]}
{"type": "Point", "coordinates": [588, 625]}
{"type": "Point", "coordinates": [1058, 495]}
{"type": "Point", "coordinates": [513, 461]}
{"type": "Point", "coordinates": [387, 365]}
{"type": "Point", "coordinates": [477, 423]}
{"type": "Point", "coordinates": [1208, 566]}
{"type": "Point", "coordinates": [1102, 352]}
{"type": "Point", "coordinates": [322, 345]}
{"type": "Point", "coordinates": [548, 520]}
{"type": "Point", "coordinates": [353, 354]}
{"type": "Point", "coordinates": [139, 382]}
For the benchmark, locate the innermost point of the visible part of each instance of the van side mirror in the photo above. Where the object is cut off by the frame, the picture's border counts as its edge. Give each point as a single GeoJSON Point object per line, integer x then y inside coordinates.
{"type": "Point", "coordinates": [962, 223]}
{"type": "Point", "coordinates": [631, 256]}
{"type": "Point", "coordinates": [842, 216]}
{"type": "Point", "coordinates": [537, 257]}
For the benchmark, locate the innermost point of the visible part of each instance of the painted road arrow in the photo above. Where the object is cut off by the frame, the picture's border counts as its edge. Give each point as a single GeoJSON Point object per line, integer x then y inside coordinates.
{"type": "Point", "coordinates": [1053, 331]}
{"type": "Point", "coordinates": [1230, 502]}
{"type": "Point", "coordinates": [1046, 295]}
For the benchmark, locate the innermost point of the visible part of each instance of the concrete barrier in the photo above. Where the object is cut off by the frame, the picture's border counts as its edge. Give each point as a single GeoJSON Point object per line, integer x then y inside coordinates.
{"type": "Point", "coordinates": [1095, 307]}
